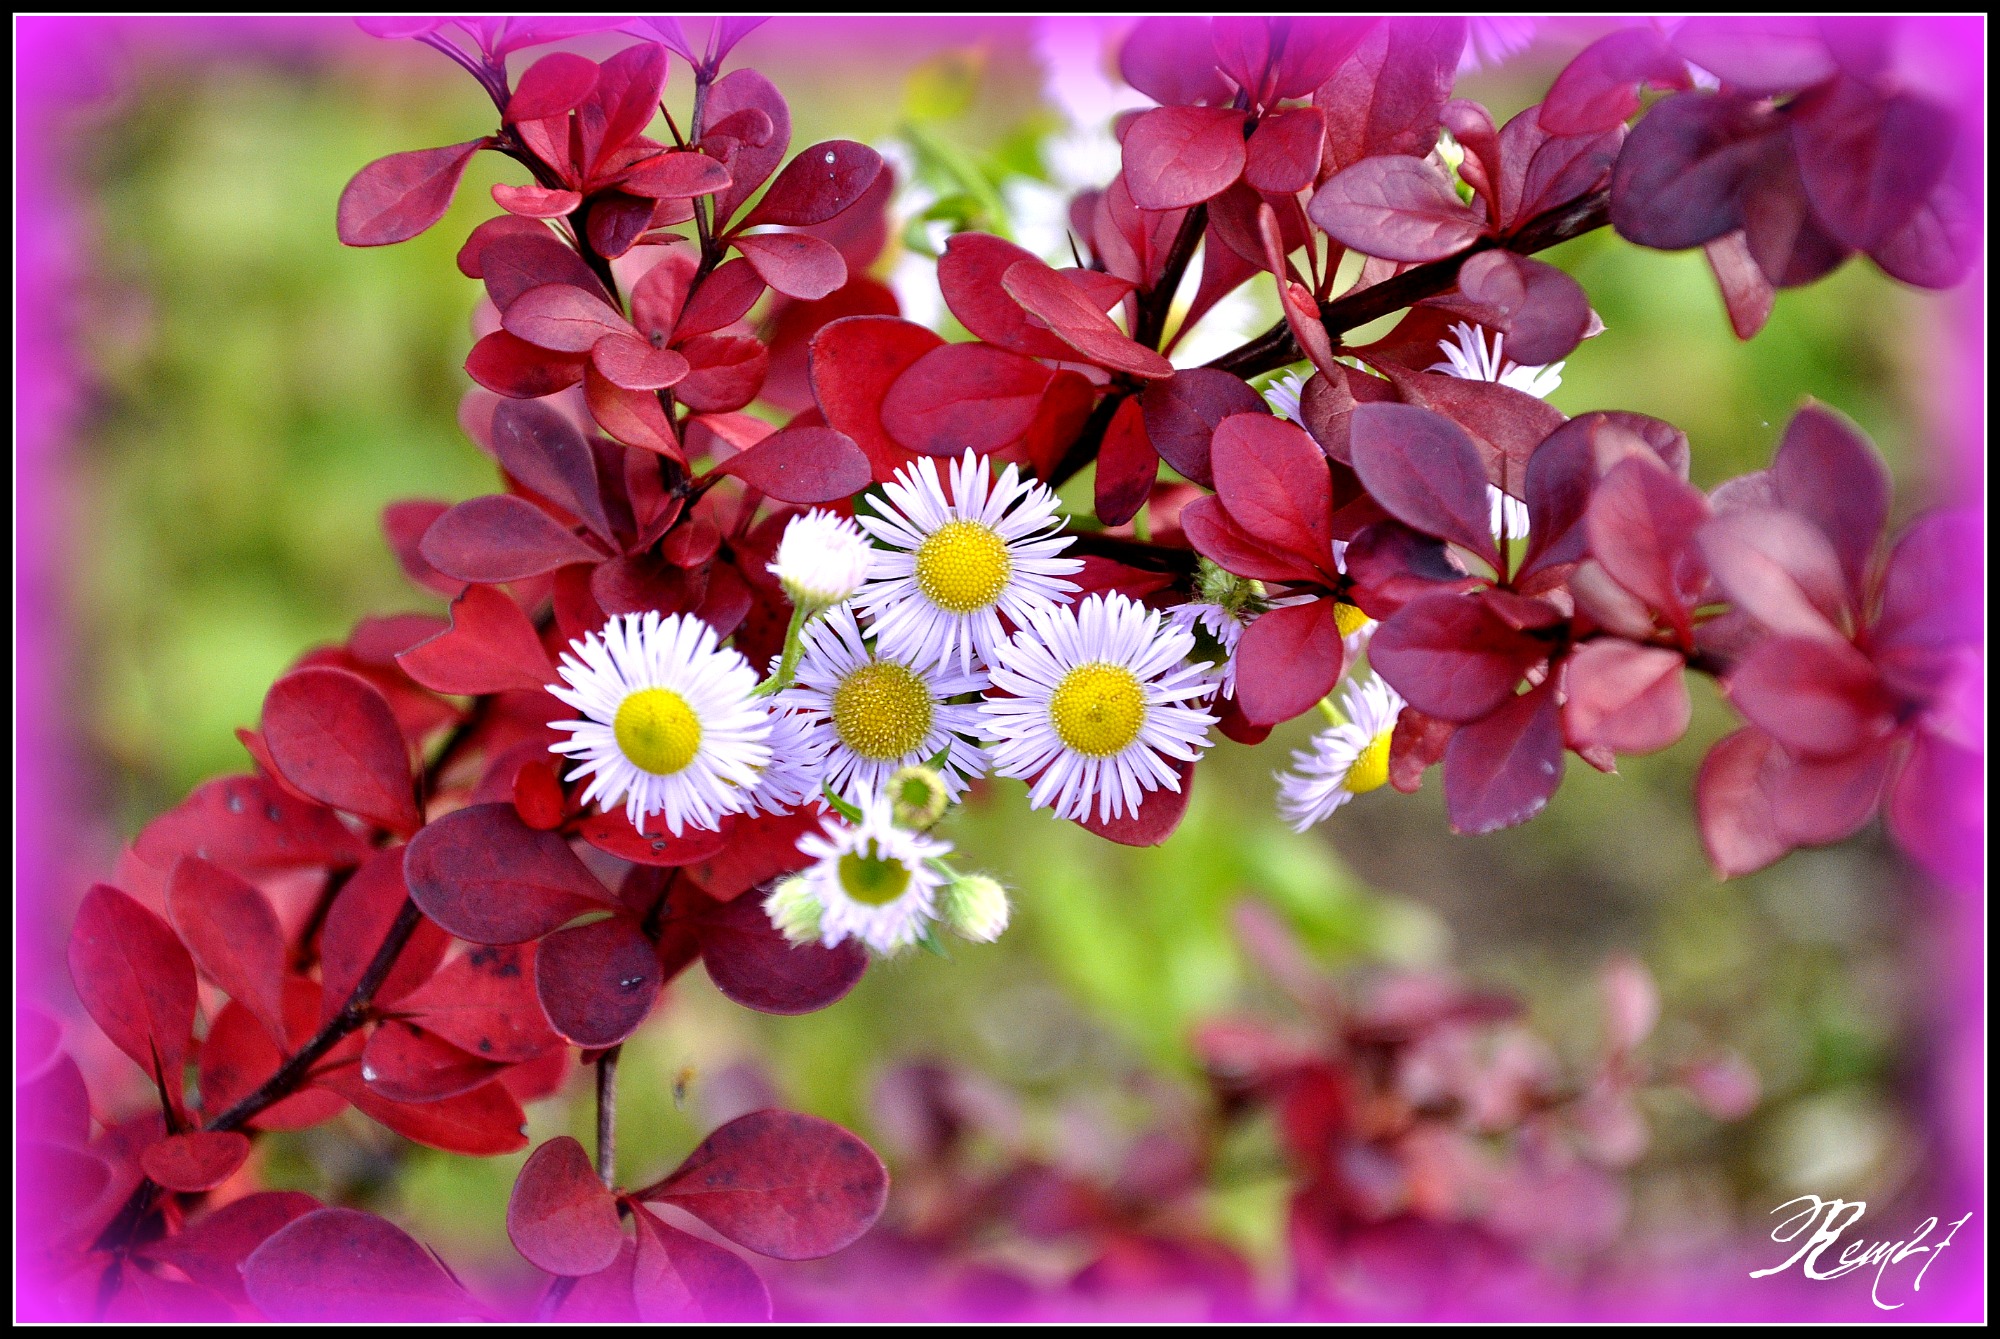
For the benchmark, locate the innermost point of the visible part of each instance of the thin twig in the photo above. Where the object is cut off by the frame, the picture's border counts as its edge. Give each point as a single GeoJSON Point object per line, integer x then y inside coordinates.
{"type": "Point", "coordinates": [607, 1118]}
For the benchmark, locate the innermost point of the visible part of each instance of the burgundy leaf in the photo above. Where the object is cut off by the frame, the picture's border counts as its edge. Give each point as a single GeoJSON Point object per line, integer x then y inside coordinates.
{"type": "Point", "coordinates": [1391, 564]}
{"type": "Point", "coordinates": [803, 465]}
{"type": "Point", "coordinates": [1545, 311]}
{"type": "Point", "coordinates": [755, 966]}
{"type": "Point", "coordinates": [1212, 533]}
{"type": "Point", "coordinates": [1283, 153]}
{"type": "Point", "coordinates": [358, 922]}
{"type": "Point", "coordinates": [1127, 466]}
{"type": "Point", "coordinates": [623, 104]}
{"type": "Point", "coordinates": [404, 1063]}
{"type": "Point", "coordinates": [613, 833]}
{"type": "Point", "coordinates": [1425, 472]}
{"type": "Point", "coordinates": [751, 164]}
{"type": "Point", "coordinates": [1314, 48]}
{"type": "Point", "coordinates": [1562, 168]}
{"type": "Point", "coordinates": [796, 264]}
{"type": "Point", "coordinates": [403, 524]}
{"type": "Point", "coordinates": [237, 1058]}
{"type": "Point", "coordinates": [1733, 796]}
{"type": "Point", "coordinates": [961, 397]}
{"type": "Point", "coordinates": [1159, 813]}
{"type": "Point", "coordinates": [1746, 294]}
{"type": "Point", "coordinates": [675, 176]}
{"type": "Point", "coordinates": [489, 648]}
{"type": "Point", "coordinates": [1389, 96]}
{"type": "Point", "coordinates": [818, 184]}
{"type": "Point", "coordinates": [1762, 54]}
{"type": "Point", "coordinates": [1274, 481]}
{"type": "Point", "coordinates": [486, 1122]}
{"type": "Point", "coordinates": [1632, 699]}
{"type": "Point", "coordinates": [508, 365]}
{"type": "Point", "coordinates": [1506, 426]}
{"type": "Point", "coordinates": [635, 365]}
{"type": "Point", "coordinates": [597, 982]}
{"type": "Point", "coordinates": [969, 276]}
{"type": "Point", "coordinates": [1679, 181]}
{"type": "Point", "coordinates": [1288, 659]}
{"type": "Point", "coordinates": [617, 221]}
{"type": "Point", "coordinates": [1817, 697]}
{"type": "Point", "coordinates": [233, 935]}
{"type": "Point", "coordinates": [632, 417]}
{"type": "Point", "coordinates": [1180, 156]}
{"type": "Point", "coordinates": [726, 372]}
{"type": "Point", "coordinates": [501, 537]}
{"type": "Point", "coordinates": [853, 363]}
{"type": "Point", "coordinates": [560, 1216]}
{"type": "Point", "coordinates": [1826, 471]}
{"type": "Point", "coordinates": [562, 317]}
{"type": "Point", "coordinates": [514, 262]}
{"type": "Point", "coordinates": [334, 737]}
{"type": "Point", "coordinates": [1936, 810]}
{"type": "Point", "coordinates": [342, 1264]}
{"type": "Point", "coordinates": [197, 1161]}
{"type": "Point", "coordinates": [1869, 160]}
{"type": "Point", "coordinates": [1501, 770]}
{"type": "Point", "coordinates": [1941, 241]}
{"type": "Point", "coordinates": [535, 202]}
{"type": "Point", "coordinates": [756, 848]}
{"type": "Point", "coordinates": [1599, 89]}
{"type": "Point", "coordinates": [1395, 207]}
{"type": "Point", "coordinates": [542, 449]}
{"type": "Point", "coordinates": [552, 86]}
{"type": "Point", "coordinates": [1779, 569]}
{"type": "Point", "coordinates": [1078, 322]}
{"type": "Point", "coordinates": [679, 1277]}
{"type": "Point", "coordinates": [1183, 413]}
{"type": "Point", "coordinates": [484, 1002]}
{"type": "Point", "coordinates": [1172, 61]}
{"type": "Point", "coordinates": [785, 1185]}
{"type": "Point", "coordinates": [211, 1251]}
{"type": "Point", "coordinates": [1417, 744]}
{"type": "Point", "coordinates": [1452, 656]}
{"type": "Point", "coordinates": [1641, 524]}
{"type": "Point", "coordinates": [395, 198]}
{"type": "Point", "coordinates": [486, 876]}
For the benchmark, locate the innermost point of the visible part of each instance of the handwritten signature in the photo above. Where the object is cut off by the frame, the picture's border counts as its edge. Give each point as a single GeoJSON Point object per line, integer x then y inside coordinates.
{"type": "Point", "coordinates": [1817, 1227]}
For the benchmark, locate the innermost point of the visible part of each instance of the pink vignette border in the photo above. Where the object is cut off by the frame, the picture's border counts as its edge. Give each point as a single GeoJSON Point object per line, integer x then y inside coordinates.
{"type": "Point", "coordinates": [63, 64]}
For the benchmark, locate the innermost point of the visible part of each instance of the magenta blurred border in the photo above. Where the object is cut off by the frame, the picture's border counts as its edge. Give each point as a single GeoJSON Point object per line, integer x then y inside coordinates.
{"type": "Point", "coordinates": [67, 64]}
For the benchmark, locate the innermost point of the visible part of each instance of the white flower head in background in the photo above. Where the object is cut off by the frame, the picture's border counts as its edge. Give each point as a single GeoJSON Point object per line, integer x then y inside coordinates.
{"type": "Point", "coordinates": [822, 559]}
{"type": "Point", "coordinates": [872, 881]}
{"type": "Point", "coordinates": [1469, 359]}
{"type": "Point", "coordinates": [1491, 41]}
{"type": "Point", "coordinates": [669, 721]}
{"type": "Point", "coordinates": [1099, 706]}
{"type": "Point", "coordinates": [955, 563]}
{"type": "Point", "coordinates": [1343, 760]}
{"type": "Point", "coordinates": [869, 714]}
{"type": "Point", "coordinates": [1282, 394]}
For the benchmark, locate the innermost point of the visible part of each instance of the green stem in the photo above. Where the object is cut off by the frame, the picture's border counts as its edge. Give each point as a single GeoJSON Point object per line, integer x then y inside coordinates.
{"type": "Point", "coordinates": [794, 647]}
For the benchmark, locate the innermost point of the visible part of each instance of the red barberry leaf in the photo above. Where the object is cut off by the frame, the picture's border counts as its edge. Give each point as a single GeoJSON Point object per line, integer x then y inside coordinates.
{"type": "Point", "coordinates": [230, 929]}
{"type": "Point", "coordinates": [785, 1185]}
{"type": "Point", "coordinates": [1763, 54]}
{"type": "Point", "coordinates": [725, 372]}
{"type": "Point", "coordinates": [136, 982]}
{"type": "Point", "coordinates": [1425, 472]}
{"type": "Point", "coordinates": [501, 537]}
{"type": "Point", "coordinates": [1127, 466]}
{"type": "Point", "coordinates": [404, 1063]}
{"type": "Point", "coordinates": [542, 449]}
{"type": "Point", "coordinates": [486, 1122]}
{"type": "Point", "coordinates": [1779, 569]}
{"type": "Point", "coordinates": [562, 317]}
{"type": "Point", "coordinates": [535, 202]}
{"type": "Point", "coordinates": [1212, 533]}
{"type": "Point", "coordinates": [1680, 180]}
{"type": "Point", "coordinates": [560, 1216]}
{"type": "Point", "coordinates": [852, 362]}
{"type": "Point", "coordinates": [795, 263]}
{"type": "Point", "coordinates": [1284, 150]}
{"type": "Point", "coordinates": [750, 164]}
{"type": "Point", "coordinates": [964, 397]}
{"type": "Point", "coordinates": [677, 1276]}
{"type": "Point", "coordinates": [395, 198]}
{"type": "Point", "coordinates": [1452, 656]}
{"type": "Point", "coordinates": [1180, 156]}
{"type": "Point", "coordinates": [486, 876]}
{"type": "Point", "coordinates": [1274, 482]}
{"type": "Point", "coordinates": [345, 1265]}
{"type": "Point", "coordinates": [211, 1251]}
{"type": "Point", "coordinates": [1076, 319]}
{"type": "Point", "coordinates": [1747, 294]}
{"type": "Point", "coordinates": [675, 176]}
{"type": "Point", "coordinates": [1817, 697]}
{"type": "Point", "coordinates": [1397, 208]}
{"type": "Point", "coordinates": [1388, 97]}
{"type": "Point", "coordinates": [1599, 88]}
{"type": "Point", "coordinates": [553, 86]}
{"type": "Point", "coordinates": [1733, 797]}
{"type": "Point", "coordinates": [334, 737]}
{"type": "Point", "coordinates": [635, 365]}
{"type": "Point", "coordinates": [614, 834]}
{"type": "Point", "coordinates": [817, 185]}
{"type": "Point", "coordinates": [755, 966]}
{"type": "Point", "coordinates": [969, 277]}
{"type": "Point", "coordinates": [508, 365]}
{"type": "Point", "coordinates": [489, 648]}
{"type": "Point", "coordinates": [1159, 812]}
{"type": "Point", "coordinates": [484, 1003]}
{"type": "Point", "coordinates": [1543, 311]}
{"type": "Point", "coordinates": [358, 922]}
{"type": "Point", "coordinates": [1288, 660]}
{"type": "Point", "coordinates": [1826, 471]}
{"type": "Point", "coordinates": [197, 1161]}
{"type": "Point", "coordinates": [1628, 698]}
{"type": "Point", "coordinates": [1641, 525]}
{"type": "Point", "coordinates": [803, 465]}
{"type": "Point", "coordinates": [1183, 413]}
{"type": "Point", "coordinates": [1172, 61]}
{"type": "Point", "coordinates": [1501, 770]}
{"type": "Point", "coordinates": [237, 1057]}
{"type": "Point", "coordinates": [598, 982]}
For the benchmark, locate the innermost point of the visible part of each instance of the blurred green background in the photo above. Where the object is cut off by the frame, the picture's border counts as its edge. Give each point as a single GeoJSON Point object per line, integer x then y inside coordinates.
{"type": "Point", "coordinates": [262, 392]}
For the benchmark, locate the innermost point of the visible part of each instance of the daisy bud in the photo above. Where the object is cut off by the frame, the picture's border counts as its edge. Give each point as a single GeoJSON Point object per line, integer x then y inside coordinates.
{"type": "Point", "coordinates": [794, 910]}
{"type": "Point", "coordinates": [822, 559]}
{"type": "Point", "coordinates": [919, 797]}
{"type": "Point", "coordinates": [975, 907]}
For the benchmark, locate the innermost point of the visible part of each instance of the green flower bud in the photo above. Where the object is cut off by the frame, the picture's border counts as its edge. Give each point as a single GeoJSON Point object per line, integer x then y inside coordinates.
{"type": "Point", "coordinates": [918, 797]}
{"type": "Point", "coordinates": [975, 907]}
{"type": "Point", "coordinates": [794, 910]}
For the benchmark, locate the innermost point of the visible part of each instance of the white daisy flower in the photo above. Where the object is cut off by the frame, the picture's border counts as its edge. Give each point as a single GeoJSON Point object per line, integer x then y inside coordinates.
{"type": "Point", "coordinates": [868, 714]}
{"type": "Point", "coordinates": [1223, 606]}
{"type": "Point", "coordinates": [1098, 706]}
{"type": "Point", "coordinates": [954, 566]}
{"type": "Point", "coordinates": [792, 776]}
{"type": "Point", "coordinates": [1492, 40]}
{"type": "Point", "coordinates": [1506, 515]}
{"type": "Point", "coordinates": [873, 881]}
{"type": "Point", "coordinates": [1468, 359]}
{"type": "Point", "coordinates": [822, 559]}
{"type": "Point", "coordinates": [1345, 760]}
{"type": "Point", "coordinates": [1283, 393]}
{"type": "Point", "coordinates": [669, 721]}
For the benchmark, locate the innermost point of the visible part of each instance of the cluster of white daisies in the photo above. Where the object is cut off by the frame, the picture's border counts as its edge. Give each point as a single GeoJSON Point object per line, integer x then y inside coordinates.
{"type": "Point", "coordinates": [899, 685]}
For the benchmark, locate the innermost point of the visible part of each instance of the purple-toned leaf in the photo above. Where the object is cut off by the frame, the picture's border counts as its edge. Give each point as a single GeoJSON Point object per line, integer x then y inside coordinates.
{"type": "Point", "coordinates": [1172, 61]}
{"type": "Point", "coordinates": [1680, 179]}
{"type": "Point", "coordinates": [1180, 156]}
{"type": "Point", "coordinates": [395, 198]}
{"type": "Point", "coordinates": [1425, 472]}
{"type": "Point", "coordinates": [1816, 697]}
{"type": "Point", "coordinates": [726, 372]}
{"type": "Point", "coordinates": [560, 1217]}
{"type": "Point", "coordinates": [1501, 770]}
{"type": "Point", "coordinates": [1077, 320]}
{"type": "Point", "coordinates": [1545, 312]}
{"type": "Point", "coordinates": [486, 876]}
{"type": "Point", "coordinates": [1183, 413]}
{"type": "Point", "coordinates": [197, 1161]}
{"type": "Point", "coordinates": [211, 1252]}
{"type": "Point", "coordinates": [624, 103]}
{"type": "Point", "coordinates": [1733, 799]}
{"type": "Point", "coordinates": [597, 982]}
{"type": "Point", "coordinates": [1779, 569]}
{"type": "Point", "coordinates": [617, 221]}
{"type": "Point", "coordinates": [1746, 293]}
{"type": "Point", "coordinates": [751, 164]}
{"type": "Point", "coordinates": [552, 86]}
{"type": "Point", "coordinates": [508, 365]}
{"type": "Point", "coordinates": [1288, 660]}
{"type": "Point", "coordinates": [535, 202]}
{"type": "Point", "coordinates": [675, 175]}
{"type": "Point", "coordinates": [1284, 150]}
{"type": "Point", "coordinates": [345, 1265]}
{"type": "Point", "coordinates": [969, 276]}
{"type": "Point", "coordinates": [961, 397]}
{"type": "Point", "coordinates": [1869, 160]}
{"type": "Point", "coordinates": [679, 1277]}
{"type": "Point", "coordinates": [516, 261]}
{"type": "Point", "coordinates": [1452, 656]}
{"type": "Point", "coordinates": [785, 1185]}
{"type": "Point", "coordinates": [818, 184]}
{"type": "Point", "coordinates": [796, 264]}
{"type": "Point", "coordinates": [755, 966]}
{"type": "Point", "coordinates": [1628, 698]}
{"type": "Point", "coordinates": [1274, 482]}
{"type": "Point", "coordinates": [233, 935]}
{"type": "Point", "coordinates": [1829, 473]}
{"type": "Point", "coordinates": [1388, 97]}
{"type": "Point", "coordinates": [484, 1002]}
{"type": "Point", "coordinates": [803, 465]}
{"type": "Point", "coordinates": [1758, 55]}
{"type": "Point", "coordinates": [491, 647]}
{"type": "Point", "coordinates": [334, 737]}
{"type": "Point", "coordinates": [1127, 466]}
{"type": "Point", "coordinates": [1936, 810]}
{"type": "Point", "coordinates": [630, 362]}
{"type": "Point", "coordinates": [1212, 533]}
{"type": "Point", "coordinates": [1641, 525]}
{"type": "Point", "coordinates": [1599, 88]}
{"type": "Point", "coordinates": [1939, 244]}
{"type": "Point", "coordinates": [404, 1063]}
{"type": "Point", "coordinates": [1506, 426]}
{"type": "Point", "coordinates": [562, 317]}
{"type": "Point", "coordinates": [237, 1058]}
{"type": "Point", "coordinates": [1561, 168]}
{"type": "Point", "coordinates": [1395, 207]}
{"type": "Point", "coordinates": [501, 537]}
{"type": "Point", "coordinates": [358, 922]}
{"type": "Point", "coordinates": [542, 449]}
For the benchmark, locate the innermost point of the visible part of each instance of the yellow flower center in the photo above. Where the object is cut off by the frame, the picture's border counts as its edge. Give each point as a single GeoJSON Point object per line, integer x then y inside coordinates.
{"type": "Point", "coordinates": [657, 731]}
{"type": "Point", "coordinates": [1371, 769]}
{"type": "Point", "coordinates": [963, 567]}
{"type": "Point", "coordinates": [1348, 618]}
{"type": "Point", "coordinates": [882, 711]}
{"type": "Point", "coordinates": [871, 879]}
{"type": "Point", "coordinates": [1097, 709]}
